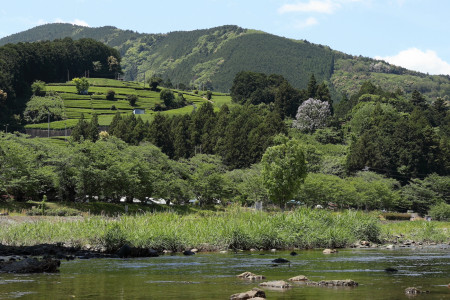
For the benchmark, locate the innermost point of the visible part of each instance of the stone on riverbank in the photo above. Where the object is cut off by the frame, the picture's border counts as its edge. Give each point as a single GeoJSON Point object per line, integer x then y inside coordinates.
{"type": "Point", "coordinates": [250, 276]}
{"type": "Point", "coordinates": [414, 291]}
{"type": "Point", "coordinates": [253, 294]}
{"type": "Point", "coordinates": [329, 251]}
{"type": "Point", "coordinates": [299, 278]}
{"type": "Point", "coordinates": [30, 265]}
{"type": "Point", "coordinates": [279, 284]}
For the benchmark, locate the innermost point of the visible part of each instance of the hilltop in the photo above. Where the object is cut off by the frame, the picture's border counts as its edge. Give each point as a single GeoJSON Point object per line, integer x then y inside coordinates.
{"type": "Point", "coordinates": [212, 57]}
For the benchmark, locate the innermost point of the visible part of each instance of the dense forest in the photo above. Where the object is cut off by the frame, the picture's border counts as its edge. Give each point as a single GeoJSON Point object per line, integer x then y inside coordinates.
{"type": "Point", "coordinates": [58, 61]}
{"type": "Point", "coordinates": [376, 148]}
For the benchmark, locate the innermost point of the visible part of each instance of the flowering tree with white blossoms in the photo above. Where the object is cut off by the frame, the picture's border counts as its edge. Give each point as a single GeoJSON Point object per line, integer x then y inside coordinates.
{"type": "Point", "coordinates": [312, 115]}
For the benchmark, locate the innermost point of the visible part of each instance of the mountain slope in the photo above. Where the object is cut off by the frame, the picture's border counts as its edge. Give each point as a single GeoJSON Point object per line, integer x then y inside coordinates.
{"type": "Point", "coordinates": [210, 58]}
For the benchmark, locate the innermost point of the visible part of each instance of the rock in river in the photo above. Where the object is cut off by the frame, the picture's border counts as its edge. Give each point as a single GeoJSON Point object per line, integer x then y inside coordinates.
{"type": "Point", "coordinates": [280, 261]}
{"type": "Point", "coordinates": [30, 265]}
{"type": "Point", "coordinates": [299, 278]}
{"type": "Point", "coordinates": [329, 251]}
{"type": "Point", "coordinates": [251, 276]}
{"type": "Point", "coordinates": [253, 294]}
{"type": "Point", "coordinates": [280, 284]}
{"type": "Point", "coordinates": [414, 291]}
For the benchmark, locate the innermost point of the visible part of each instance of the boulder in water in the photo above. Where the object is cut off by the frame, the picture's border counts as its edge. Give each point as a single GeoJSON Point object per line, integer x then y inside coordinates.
{"type": "Point", "coordinates": [279, 284]}
{"type": "Point", "coordinates": [329, 251]}
{"type": "Point", "coordinates": [124, 251]}
{"type": "Point", "coordinates": [280, 261]}
{"type": "Point", "coordinates": [414, 291]}
{"type": "Point", "coordinates": [254, 294]}
{"type": "Point", "coordinates": [299, 278]}
{"type": "Point", "coordinates": [250, 276]}
{"type": "Point", "coordinates": [31, 265]}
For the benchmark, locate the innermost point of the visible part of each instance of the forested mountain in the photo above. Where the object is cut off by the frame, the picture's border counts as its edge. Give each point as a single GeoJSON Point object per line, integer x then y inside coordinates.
{"type": "Point", "coordinates": [211, 58]}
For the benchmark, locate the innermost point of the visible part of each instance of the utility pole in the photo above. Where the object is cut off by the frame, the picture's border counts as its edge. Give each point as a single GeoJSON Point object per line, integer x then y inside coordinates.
{"type": "Point", "coordinates": [48, 128]}
{"type": "Point", "coordinates": [6, 128]}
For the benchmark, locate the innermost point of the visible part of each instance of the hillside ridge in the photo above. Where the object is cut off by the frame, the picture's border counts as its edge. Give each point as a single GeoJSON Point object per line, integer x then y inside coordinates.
{"type": "Point", "coordinates": [210, 58]}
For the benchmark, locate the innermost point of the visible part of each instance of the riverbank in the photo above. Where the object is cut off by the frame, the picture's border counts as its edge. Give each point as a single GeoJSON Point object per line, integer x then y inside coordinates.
{"type": "Point", "coordinates": [233, 229]}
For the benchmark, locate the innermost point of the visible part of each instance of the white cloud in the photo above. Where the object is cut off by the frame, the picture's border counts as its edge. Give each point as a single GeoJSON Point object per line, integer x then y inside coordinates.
{"type": "Point", "coordinates": [311, 21]}
{"type": "Point", "coordinates": [315, 6]}
{"type": "Point", "coordinates": [417, 60]}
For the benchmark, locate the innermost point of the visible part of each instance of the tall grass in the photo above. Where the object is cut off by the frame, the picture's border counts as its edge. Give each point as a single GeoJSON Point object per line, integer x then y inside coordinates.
{"type": "Point", "coordinates": [418, 231]}
{"type": "Point", "coordinates": [207, 230]}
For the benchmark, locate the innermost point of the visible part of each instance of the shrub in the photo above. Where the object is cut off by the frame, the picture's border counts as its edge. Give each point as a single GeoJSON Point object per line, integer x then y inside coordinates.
{"type": "Point", "coordinates": [110, 94]}
{"type": "Point", "coordinates": [60, 212]}
{"type": "Point", "coordinates": [397, 216]}
{"type": "Point", "coordinates": [196, 92]}
{"type": "Point", "coordinates": [113, 107]}
{"type": "Point", "coordinates": [38, 88]}
{"type": "Point", "coordinates": [440, 212]}
{"type": "Point", "coordinates": [208, 95]}
{"type": "Point", "coordinates": [132, 99]}
{"type": "Point", "coordinates": [82, 85]}
{"type": "Point", "coordinates": [329, 136]}
{"type": "Point", "coordinates": [167, 97]}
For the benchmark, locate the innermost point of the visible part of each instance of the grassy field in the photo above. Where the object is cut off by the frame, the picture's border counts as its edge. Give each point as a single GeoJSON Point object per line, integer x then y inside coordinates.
{"type": "Point", "coordinates": [96, 102]}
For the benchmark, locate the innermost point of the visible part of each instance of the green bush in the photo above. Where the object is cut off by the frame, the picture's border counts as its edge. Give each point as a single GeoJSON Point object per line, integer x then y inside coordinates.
{"type": "Point", "coordinates": [60, 212]}
{"type": "Point", "coordinates": [132, 99]}
{"type": "Point", "coordinates": [38, 88]}
{"type": "Point", "coordinates": [110, 94]}
{"type": "Point", "coordinates": [440, 212]}
{"type": "Point", "coordinates": [113, 107]}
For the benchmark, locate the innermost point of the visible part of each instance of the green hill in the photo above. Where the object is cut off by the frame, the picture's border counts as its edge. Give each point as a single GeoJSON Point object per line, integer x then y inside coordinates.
{"type": "Point", "coordinates": [212, 57]}
{"type": "Point", "coordinates": [96, 102]}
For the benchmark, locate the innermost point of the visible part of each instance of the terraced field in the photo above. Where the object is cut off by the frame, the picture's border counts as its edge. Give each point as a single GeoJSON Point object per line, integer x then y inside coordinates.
{"type": "Point", "coordinates": [96, 102]}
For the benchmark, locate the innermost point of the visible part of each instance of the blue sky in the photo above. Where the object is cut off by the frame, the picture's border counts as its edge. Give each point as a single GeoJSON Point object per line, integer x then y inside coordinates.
{"type": "Point", "coordinates": [410, 33]}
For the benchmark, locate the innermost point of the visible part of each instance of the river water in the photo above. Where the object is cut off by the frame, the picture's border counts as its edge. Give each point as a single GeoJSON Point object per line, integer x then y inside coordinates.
{"type": "Point", "coordinates": [213, 276]}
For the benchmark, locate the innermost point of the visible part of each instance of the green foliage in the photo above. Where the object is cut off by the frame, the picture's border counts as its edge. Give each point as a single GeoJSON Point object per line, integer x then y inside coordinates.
{"type": "Point", "coordinates": [208, 95]}
{"type": "Point", "coordinates": [82, 85]}
{"type": "Point", "coordinates": [206, 178]}
{"type": "Point", "coordinates": [132, 99]}
{"type": "Point", "coordinates": [110, 94]}
{"type": "Point", "coordinates": [283, 170]}
{"type": "Point", "coordinates": [440, 212]}
{"type": "Point", "coordinates": [38, 88]}
{"type": "Point", "coordinates": [367, 190]}
{"type": "Point", "coordinates": [167, 97]}
{"type": "Point", "coordinates": [398, 145]}
{"type": "Point", "coordinates": [154, 82]}
{"type": "Point", "coordinates": [420, 195]}
{"type": "Point", "coordinates": [39, 108]}
{"type": "Point", "coordinates": [329, 135]}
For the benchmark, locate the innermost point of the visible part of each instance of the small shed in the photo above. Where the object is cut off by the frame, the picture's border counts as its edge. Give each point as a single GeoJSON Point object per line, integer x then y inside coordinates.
{"type": "Point", "coordinates": [138, 111]}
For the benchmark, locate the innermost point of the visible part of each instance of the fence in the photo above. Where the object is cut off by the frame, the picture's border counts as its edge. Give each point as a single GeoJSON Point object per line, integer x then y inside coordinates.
{"type": "Point", "coordinates": [34, 132]}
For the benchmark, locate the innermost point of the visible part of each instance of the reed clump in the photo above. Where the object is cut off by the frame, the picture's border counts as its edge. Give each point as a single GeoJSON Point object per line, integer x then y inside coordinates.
{"type": "Point", "coordinates": [234, 228]}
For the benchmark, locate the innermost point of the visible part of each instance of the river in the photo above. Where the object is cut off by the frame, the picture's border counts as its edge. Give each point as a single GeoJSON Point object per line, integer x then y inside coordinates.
{"type": "Point", "coordinates": [213, 276]}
